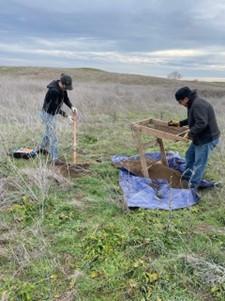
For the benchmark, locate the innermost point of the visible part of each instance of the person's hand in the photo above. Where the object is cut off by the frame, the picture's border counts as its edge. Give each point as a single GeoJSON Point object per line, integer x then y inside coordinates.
{"type": "Point", "coordinates": [173, 123]}
{"type": "Point", "coordinates": [74, 110]}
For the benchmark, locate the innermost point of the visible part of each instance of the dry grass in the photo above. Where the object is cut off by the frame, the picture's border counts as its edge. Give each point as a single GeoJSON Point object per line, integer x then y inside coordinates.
{"type": "Point", "coordinates": [210, 272]}
{"type": "Point", "coordinates": [96, 94]}
{"type": "Point", "coordinates": [45, 209]}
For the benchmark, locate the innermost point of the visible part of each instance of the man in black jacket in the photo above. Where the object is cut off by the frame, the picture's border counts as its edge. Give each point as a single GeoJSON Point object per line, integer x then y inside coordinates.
{"type": "Point", "coordinates": [203, 131]}
{"type": "Point", "coordinates": [54, 99]}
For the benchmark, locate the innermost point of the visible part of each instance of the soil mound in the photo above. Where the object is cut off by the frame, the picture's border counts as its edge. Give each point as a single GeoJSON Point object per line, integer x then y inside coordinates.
{"type": "Point", "coordinates": [156, 170]}
{"type": "Point", "coordinates": [72, 170]}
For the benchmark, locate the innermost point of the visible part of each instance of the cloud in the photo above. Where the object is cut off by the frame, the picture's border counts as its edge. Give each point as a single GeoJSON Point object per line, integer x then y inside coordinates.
{"type": "Point", "coordinates": [84, 6]}
{"type": "Point", "coordinates": [97, 51]}
{"type": "Point", "coordinates": [149, 35]}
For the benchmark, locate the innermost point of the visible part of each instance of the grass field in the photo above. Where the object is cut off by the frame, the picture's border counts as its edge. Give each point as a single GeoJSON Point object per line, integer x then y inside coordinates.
{"type": "Point", "coordinates": [66, 239]}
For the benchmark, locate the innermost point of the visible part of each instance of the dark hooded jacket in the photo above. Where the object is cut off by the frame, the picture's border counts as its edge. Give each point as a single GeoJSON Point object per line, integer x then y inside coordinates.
{"type": "Point", "coordinates": [201, 120]}
{"type": "Point", "coordinates": [54, 99]}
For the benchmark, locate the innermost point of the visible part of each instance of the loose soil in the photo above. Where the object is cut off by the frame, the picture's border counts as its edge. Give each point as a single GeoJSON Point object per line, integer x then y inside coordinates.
{"type": "Point", "coordinates": [156, 170]}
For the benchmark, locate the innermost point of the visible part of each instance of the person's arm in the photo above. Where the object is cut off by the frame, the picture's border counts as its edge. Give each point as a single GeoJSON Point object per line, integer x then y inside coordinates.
{"type": "Point", "coordinates": [67, 101]}
{"type": "Point", "coordinates": [200, 115]}
{"type": "Point", "coordinates": [61, 112]}
{"type": "Point", "coordinates": [183, 122]}
{"type": "Point", "coordinates": [178, 123]}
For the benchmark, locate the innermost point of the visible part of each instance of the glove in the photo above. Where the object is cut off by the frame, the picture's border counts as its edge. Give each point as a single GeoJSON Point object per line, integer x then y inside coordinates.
{"type": "Point", "coordinates": [173, 123]}
{"type": "Point", "coordinates": [74, 110]}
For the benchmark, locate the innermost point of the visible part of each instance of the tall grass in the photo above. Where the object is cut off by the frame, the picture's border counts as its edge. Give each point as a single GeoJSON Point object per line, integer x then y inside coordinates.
{"type": "Point", "coordinates": [71, 239]}
{"type": "Point", "coordinates": [22, 97]}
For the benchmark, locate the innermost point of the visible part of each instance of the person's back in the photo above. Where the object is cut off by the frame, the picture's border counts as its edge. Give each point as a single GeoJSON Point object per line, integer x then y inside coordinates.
{"type": "Point", "coordinates": [53, 99]}
{"type": "Point", "coordinates": [202, 121]}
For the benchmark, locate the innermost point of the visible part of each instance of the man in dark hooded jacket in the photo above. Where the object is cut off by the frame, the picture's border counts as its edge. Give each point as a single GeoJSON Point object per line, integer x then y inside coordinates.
{"type": "Point", "coordinates": [203, 131]}
{"type": "Point", "coordinates": [54, 99]}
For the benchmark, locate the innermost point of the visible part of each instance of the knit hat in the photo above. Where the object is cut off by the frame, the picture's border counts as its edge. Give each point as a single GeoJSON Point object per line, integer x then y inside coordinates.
{"type": "Point", "coordinates": [182, 93]}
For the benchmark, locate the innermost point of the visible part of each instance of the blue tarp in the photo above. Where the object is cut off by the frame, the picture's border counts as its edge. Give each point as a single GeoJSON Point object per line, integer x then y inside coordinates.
{"type": "Point", "coordinates": [138, 191]}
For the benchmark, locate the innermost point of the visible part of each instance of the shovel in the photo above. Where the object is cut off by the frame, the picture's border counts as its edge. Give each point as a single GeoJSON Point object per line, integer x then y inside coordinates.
{"type": "Point", "coordinates": [74, 169]}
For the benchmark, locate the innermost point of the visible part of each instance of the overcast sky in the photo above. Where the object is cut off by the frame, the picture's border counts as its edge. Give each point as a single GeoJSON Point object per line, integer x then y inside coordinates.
{"type": "Point", "coordinates": [153, 37]}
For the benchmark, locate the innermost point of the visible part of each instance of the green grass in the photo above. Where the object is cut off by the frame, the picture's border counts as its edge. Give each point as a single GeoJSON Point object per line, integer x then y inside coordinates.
{"type": "Point", "coordinates": [78, 242]}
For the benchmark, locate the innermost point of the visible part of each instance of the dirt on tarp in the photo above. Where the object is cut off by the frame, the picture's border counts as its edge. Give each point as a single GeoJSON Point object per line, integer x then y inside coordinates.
{"type": "Point", "coordinates": [72, 170]}
{"type": "Point", "coordinates": [156, 170]}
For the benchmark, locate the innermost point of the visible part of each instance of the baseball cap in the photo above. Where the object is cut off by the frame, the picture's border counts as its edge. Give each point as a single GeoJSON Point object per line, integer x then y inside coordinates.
{"type": "Point", "coordinates": [66, 80]}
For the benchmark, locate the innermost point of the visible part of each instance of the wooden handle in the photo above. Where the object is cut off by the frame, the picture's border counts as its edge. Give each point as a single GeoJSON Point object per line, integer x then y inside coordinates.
{"type": "Point", "coordinates": [183, 132]}
{"type": "Point", "coordinates": [74, 137]}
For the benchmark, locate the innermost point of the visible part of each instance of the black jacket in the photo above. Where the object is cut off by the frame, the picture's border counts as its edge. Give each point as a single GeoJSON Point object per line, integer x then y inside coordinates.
{"type": "Point", "coordinates": [54, 99]}
{"type": "Point", "coordinates": [201, 121]}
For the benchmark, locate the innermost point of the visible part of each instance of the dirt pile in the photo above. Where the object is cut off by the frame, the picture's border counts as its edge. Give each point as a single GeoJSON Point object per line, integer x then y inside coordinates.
{"type": "Point", "coordinates": [72, 170]}
{"type": "Point", "coordinates": [156, 170]}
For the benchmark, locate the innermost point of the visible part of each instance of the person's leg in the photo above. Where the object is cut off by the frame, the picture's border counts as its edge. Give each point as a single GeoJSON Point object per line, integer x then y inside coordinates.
{"type": "Point", "coordinates": [45, 139]}
{"type": "Point", "coordinates": [189, 162]}
{"type": "Point", "coordinates": [53, 143]}
{"type": "Point", "coordinates": [201, 159]}
{"type": "Point", "coordinates": [49, 140]}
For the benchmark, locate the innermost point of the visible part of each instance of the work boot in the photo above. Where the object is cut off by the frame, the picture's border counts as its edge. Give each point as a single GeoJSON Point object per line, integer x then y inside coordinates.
{"type": "Point", "coordinates": [40, 150]}
{"type": "Point", "coordinates": [57, 162]}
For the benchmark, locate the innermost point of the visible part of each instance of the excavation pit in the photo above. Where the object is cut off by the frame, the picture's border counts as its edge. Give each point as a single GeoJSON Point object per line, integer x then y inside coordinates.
{"type": "Point", "coordinates": [72, 170]}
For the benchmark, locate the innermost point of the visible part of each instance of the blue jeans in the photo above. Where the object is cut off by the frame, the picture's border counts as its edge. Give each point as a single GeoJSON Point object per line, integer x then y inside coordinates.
{"type": "Point", "coordinates": [196, 159]}
{"type": "Point", "coordinates": [49, 140]}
